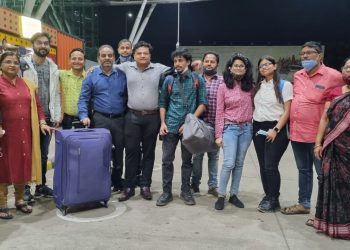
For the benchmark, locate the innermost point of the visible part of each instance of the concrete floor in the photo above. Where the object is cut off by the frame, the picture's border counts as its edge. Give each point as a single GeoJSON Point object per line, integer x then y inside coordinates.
{"type": "Point", "coordinates": [140, 224]}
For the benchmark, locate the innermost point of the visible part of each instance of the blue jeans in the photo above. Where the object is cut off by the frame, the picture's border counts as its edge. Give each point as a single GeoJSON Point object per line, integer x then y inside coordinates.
{"type": "Point", "coordinates": [236, 140]}
{"type": "Point", "coordinates": [213, 160]}
{"type": "Point", "coordinates": [305, 158]}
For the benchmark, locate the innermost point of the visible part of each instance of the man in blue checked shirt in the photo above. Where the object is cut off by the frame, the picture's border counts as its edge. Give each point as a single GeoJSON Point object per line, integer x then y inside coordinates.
{"type": "Point", "coordinates": [106, 87]}
{"type": "Point", "coordinates": [181, 94]}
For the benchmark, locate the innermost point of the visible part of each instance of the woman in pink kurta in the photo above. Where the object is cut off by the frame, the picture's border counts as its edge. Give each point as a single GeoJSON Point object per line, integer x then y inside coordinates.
{"type": "Point", "coordinates": [16, 135]}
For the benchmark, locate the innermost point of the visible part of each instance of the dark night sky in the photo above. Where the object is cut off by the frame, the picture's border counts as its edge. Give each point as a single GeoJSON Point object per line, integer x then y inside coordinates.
{"type": "Point", "coordinates": [231, 22]}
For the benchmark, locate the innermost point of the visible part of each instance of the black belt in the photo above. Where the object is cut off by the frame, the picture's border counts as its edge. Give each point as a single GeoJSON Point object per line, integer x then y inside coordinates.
{"type": "Point", "coordinates": [111, 116]}
{"type": "Point", "coordinates": [144, 112]}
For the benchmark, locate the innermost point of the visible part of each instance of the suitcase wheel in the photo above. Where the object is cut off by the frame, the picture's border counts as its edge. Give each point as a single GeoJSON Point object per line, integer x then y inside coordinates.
{"type": "Point", "coordinates": [64, 210]}
{"type": "Point", "coordinates": [105, 204]}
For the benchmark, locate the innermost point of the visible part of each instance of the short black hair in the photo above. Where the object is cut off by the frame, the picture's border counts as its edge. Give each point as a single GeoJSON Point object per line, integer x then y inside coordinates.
{"type": "Point", "coordinates": [124, 41]}
{"type": "Point", "coordinates": [315, 45]}
{"type": "Point", "coordinates": [212, 53]}
{"type": "Point", "coordinates": [77, 49]}
{"type": "Point", "coordinates": [181, 52]}
{"type": "Point", "coordinates": [142, 44]}
{"type": "Point", "coordinates": [40, 34]}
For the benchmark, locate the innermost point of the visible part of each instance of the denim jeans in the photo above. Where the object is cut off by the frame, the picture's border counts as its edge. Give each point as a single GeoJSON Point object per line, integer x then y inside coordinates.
{"type": "Point", "coordinates": [236, 141]}
{"type": "Point", "coordinates": [213, 160]}
{"type": "Point", "coordinates": [169, 147]}
{"type": "Point", "coordinates": [305, 158]}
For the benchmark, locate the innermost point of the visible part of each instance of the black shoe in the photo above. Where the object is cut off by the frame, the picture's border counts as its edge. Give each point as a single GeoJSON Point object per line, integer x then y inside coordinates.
{"type": "Point", "coordinates": [164, 199]}
{"type": "Point", "coordinates": [117, 190]}
{"type": "Point", "coordinates": [195, 189]}
{"type": "Point", "coordinates": [220, 203]}
{"type": "Point", "coordinates": [28, 197]}
{"type": "Point", "coordinates": [43, 190]}
{"type": "Point", "coordinates": [127, 194]}
{"type": "Point", "coordinates": [187, 198]}
{"type": "Point", "coordinates": [146, 193]}
{"type": "Point", "coordinates": [270, 205]}
{"type": "Point", "coordinates": [235, 201]}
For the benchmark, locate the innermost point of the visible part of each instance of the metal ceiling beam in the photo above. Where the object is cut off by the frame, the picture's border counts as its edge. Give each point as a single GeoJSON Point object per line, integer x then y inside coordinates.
{"type": "Point", "coordinates": [28, 8]}
{"type": "Point", "coordinates": [144, 23]}
{"type": "Point", "coordinates": [42, 9]}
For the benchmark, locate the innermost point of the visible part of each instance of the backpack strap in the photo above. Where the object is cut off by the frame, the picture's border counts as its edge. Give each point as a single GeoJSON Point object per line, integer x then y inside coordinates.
{"type": "Point", "coordinates": [281, 87]}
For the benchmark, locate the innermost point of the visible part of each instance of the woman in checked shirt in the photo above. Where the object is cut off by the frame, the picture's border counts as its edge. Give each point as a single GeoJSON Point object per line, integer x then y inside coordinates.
{"type": "Point", "coordinates": [233, 126]}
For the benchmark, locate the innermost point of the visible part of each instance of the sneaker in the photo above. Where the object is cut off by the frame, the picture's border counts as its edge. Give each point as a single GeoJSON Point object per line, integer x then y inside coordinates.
{"type": "Point", "coordinates": [220, 203]}
{"type": "Point", "coordinates": [270, 205]}
{"type": "Point", "coordinates": [195, 189]}
{"type": "Point", "coordinates": [213, 191]}
{"type": "Point", "coordinates": [164, 199]}
{"type": "Point", "coordinates": [187, 198]}
{"type": "Point", "coordinates": [28, 197]}
{"type": "Point", "coordinates": [235, 201]}
{"type": "Point", "coordinates": [43, 190]}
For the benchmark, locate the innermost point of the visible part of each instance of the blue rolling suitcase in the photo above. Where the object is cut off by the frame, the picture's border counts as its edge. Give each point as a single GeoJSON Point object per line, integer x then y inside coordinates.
{"type": "Point", "coordinates": [82, 160]}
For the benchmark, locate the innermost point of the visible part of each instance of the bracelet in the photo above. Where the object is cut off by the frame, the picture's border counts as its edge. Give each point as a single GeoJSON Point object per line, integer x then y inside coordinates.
{"type": "Point", "coordinates": [318, 145]}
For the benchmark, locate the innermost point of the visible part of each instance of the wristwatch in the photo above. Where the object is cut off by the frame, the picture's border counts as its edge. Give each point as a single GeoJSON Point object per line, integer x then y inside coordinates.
{"type": "Point", "coordinates": [276, 129]}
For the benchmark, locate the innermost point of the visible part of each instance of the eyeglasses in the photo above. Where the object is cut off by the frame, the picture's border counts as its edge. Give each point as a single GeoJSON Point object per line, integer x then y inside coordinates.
{"type": "Point", "coordinates": [308, 53]}
{"type": "Point", "coordinates": [8, 62]}
{"type": "Point", "coordinates": [238, 66]}
{"type": "Point", "coordinates": [46, 43]}
{"type": "Point", "coordinates": [265, 65]}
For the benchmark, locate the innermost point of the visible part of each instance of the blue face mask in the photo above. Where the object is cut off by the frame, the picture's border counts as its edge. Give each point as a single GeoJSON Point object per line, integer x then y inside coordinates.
{"type": "Point", "coordinates": [309, 64]}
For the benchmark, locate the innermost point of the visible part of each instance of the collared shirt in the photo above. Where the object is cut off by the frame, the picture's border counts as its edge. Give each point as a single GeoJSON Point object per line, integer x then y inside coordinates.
{"type": "Point", "coordinates": [107, 92]}
{"type": "Point", "coordinates": [143, 92]}
{"type": "Point", "coordinates": [233, 105]}
{"type": "Point", "coordinates": [308, 101]}
{"type": "Point", "coordinates": [173, 103]}
{"type": "Point", "coordinates": [212, 90]}
{"type": "Point", "coordinates": [71, 87]}
{"type": "Point", "coordinates": [267, 106]}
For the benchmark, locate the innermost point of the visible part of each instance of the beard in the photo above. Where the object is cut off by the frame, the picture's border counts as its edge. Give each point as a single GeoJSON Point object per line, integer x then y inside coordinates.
{"type": "Point", "coordinates": [41, 52]}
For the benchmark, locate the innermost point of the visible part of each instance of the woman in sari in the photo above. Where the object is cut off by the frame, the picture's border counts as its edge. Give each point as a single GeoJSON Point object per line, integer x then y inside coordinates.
{"type": "Point", "coordinates": [20, 118]}
{"type": "Point", "coordinates": [333, 201]}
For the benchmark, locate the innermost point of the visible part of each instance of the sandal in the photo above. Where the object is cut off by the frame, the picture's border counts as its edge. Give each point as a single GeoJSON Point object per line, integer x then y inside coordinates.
{"type": "Point", "coordinates": [310, 223]}
{"type": "Point", "coordinates": [295, 209]}
{"type": "Point", "coordinates": [24, 208]}
{"type": "Point", "coordinates": [5, 214]}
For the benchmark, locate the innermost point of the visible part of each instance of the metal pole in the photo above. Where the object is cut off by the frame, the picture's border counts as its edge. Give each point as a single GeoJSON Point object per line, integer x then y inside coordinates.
{"type": "Point", "coordinates": [144, 23]}
{"type": "Point", "coordinates": [178, 24]}
{"type": "Point", "coordinates": [137, 21]}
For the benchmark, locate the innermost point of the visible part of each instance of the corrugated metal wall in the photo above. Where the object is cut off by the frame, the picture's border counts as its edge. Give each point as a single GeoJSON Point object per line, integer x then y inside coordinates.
{"type": "Point", "coordinates": [65, 44]}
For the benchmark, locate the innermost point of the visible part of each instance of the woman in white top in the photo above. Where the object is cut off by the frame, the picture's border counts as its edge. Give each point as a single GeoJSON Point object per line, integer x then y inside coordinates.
{"type": "Point", "coordinates": [272, 102]}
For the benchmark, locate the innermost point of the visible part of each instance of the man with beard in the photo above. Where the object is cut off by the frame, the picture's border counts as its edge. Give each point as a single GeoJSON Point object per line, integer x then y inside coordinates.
{"type": "Point", "coordinates": [106, 87]}
{"type": "Point", "coordinates": [44, 72]}
{"type": "Point", "coordinates": [213, 80]}
{"type": "Point", "coordinates": [181, 94]}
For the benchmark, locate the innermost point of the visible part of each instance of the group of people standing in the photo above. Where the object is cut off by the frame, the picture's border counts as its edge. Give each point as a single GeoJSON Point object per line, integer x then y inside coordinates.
{"type": "Point", "coordinates": [127, 97]}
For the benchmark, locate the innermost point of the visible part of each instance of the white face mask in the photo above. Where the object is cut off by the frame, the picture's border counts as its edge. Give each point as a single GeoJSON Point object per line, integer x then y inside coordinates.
{"type": "Point", "coordinates": [183, 71]}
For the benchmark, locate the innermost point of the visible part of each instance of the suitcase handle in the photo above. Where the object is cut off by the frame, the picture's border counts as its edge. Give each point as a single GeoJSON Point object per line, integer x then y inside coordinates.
{"type": "Point", "coordinates": [84, 130]}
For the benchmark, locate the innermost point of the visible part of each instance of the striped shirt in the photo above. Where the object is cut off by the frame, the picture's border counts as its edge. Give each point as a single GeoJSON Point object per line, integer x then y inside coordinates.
{"type": "Point", "coordinates": [233, 105]}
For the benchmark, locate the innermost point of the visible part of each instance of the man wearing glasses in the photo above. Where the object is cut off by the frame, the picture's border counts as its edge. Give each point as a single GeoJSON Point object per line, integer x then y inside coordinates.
{"type": "Point", "coordinates": [44, 72]}
{"type": "Point", "coordinates": [306, 110]}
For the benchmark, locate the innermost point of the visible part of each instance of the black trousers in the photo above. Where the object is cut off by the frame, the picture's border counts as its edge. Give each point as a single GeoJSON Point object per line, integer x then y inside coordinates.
{"type": "Point", "coordinates": [116, 127]}
{"type": "Point", "coordinates": [140, 129]}
{"type": "Point", "coordinates": [170, 142]}
{"type": "Point", "coordinates": [67, 122]}
{"type": "Point", "coordinates": [269, 155]}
